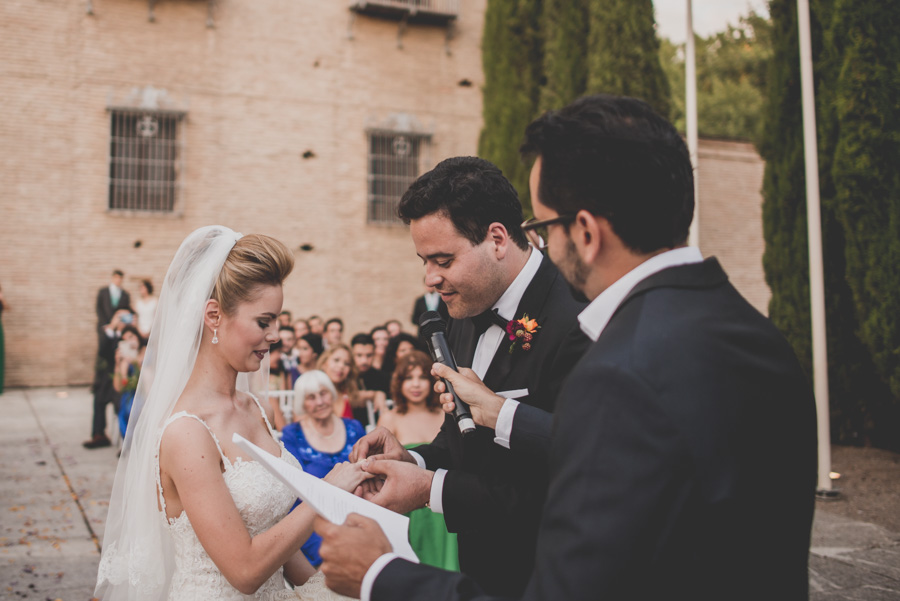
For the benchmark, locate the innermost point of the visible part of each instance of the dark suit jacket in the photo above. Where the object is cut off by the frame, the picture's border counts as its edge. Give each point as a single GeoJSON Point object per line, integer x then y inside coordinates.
{"type": "Point", "coordinates": [105, 308]}
{"type": "Point", "coordinates": [683, 459]}
{"type": "Point", "coordinates": [420, 307]}
{"type": "Point", "coordinates": [492, 497]}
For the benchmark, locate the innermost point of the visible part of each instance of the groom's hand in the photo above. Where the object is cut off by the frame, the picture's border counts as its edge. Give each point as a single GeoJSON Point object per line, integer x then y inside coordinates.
{"type": "Point", "coordinates": [380, 441]}
{"type": "Point", "coordinates": [483, 403]}
{"type": "Point", "coordinates": [405, 487]}
{"type": "Point", "coordinates": [348, 551]}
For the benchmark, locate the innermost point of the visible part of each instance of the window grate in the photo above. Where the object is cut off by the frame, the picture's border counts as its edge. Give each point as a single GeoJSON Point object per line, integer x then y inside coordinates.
{"type": "Point", "coordinates": [394, 160]}
{"type": "Point", "coordinates": [145, 160]}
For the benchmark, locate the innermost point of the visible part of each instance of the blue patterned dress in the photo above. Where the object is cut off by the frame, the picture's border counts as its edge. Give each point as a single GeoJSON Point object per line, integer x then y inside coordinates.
{"type": "Point", "coordinates": [318, 464]}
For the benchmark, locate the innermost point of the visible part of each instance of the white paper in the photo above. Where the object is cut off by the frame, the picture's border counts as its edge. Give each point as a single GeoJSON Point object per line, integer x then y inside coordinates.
{"type": "Point", "coordinates": [331, 502]}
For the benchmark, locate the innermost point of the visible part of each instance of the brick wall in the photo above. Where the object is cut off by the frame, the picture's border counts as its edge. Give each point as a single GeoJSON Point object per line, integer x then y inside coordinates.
{"type": "Point", "coordinates": [272, 80]}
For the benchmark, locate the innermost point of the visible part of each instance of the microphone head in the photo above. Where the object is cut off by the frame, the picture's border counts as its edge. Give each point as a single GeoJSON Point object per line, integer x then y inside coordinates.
{"type": "Point", "coordinates": [431, 322]}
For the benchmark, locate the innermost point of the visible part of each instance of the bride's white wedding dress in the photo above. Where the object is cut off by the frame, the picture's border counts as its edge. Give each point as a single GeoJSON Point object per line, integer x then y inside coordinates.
{"type": "Point", "coordinates": [262, 501]}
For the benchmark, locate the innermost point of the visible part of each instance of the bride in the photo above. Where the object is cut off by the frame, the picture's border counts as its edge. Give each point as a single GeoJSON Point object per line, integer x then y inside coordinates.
{"type": "Point", "coordinates": [189, 518]}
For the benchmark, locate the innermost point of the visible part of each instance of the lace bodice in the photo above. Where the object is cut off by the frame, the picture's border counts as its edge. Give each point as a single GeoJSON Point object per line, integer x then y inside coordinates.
{"type": "Point", "coordinates": [262, 501]}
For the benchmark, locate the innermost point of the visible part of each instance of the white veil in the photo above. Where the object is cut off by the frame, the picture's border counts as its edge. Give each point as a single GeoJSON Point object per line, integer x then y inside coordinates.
{"type": "Point", "coordinates": [138, 559]}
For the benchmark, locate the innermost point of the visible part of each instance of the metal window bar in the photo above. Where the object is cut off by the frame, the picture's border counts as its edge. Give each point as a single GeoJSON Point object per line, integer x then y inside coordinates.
{"type": "Point", "coordinates": [146, 150]}
{"type": "Point", "coordinates": [394, 161]}
{"type": "Point", "coordinates": [437, 7]}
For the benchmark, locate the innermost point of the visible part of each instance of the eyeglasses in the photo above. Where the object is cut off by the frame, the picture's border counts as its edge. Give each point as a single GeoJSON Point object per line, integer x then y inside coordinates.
{"type": "Point", "coordinates": [536, 229]}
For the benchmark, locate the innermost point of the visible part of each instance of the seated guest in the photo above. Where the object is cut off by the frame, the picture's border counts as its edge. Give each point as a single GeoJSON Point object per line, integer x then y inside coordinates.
{"type": "Point", "coordinates": [415, 419]}
{"type": "Point", "coordinates": [284, 318]}
{"type": "Point", "coordinates": [301, 328]}
{"type": "Point", "coordinates": [333, 332]}
{"type": "Point", "coordinates": [317, 437]}
{"type": "Point", "coordinates": [394, 328]}
{"type": "Point", "coordinates": [337, 363]}
{"type": "Point", "coordinates": [381, 337]}
{"type": "Point", "coordinates": [309, 349]}
{"type": "Point", "coordinates": [288, 351]}
{"type": "Point", "coordinates": [316, 326]}
{"type": "Point", "coordinates": [399, 345]}
{"type": "Point", "coordinates": [373, 385]}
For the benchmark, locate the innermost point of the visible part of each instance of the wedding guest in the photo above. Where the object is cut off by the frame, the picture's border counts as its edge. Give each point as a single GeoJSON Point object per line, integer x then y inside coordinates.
{"type": "Point", "coordinates": [111, 298]}
{"type": "Point", "coordinates": [334, 332]}
{"type": "Point", "coordinates": [381, 338]}
{"type": "Point", "coordinates": [4, 306]}
{"type": "Point", "coordinates": [289, 352]}
{"type": "Point", "coordinates": [337, 363]}
{"type": "Point", "coordinates": [190, 517]}
{"type": "Point", "coordinates": [315, 325]}
{"type": "Point", "coordinates": [309, 349]}
{"type": "Point", "coordinates": [318, 438]}
{"type": "Point", "coordinates": [301, 328]}
{"type": "Point", "coordinates": [394, 328]}
{"type": "Point", "coordinates": [373, 385]}
{"type": "Point", "coordinates": [104, 373]}
{"type": "Point", "coordinates": [430, 301]}
{"type": "Point", "coordinates": [398, 346]}
{"type": "Point", "coordinates": [145, 308]}
{"type": "Point", "coordinates": [416, 419]}
{"type": "Point", "coordinates": [129, 356]}
{"type": "Point", "coordinates": [284, 318]}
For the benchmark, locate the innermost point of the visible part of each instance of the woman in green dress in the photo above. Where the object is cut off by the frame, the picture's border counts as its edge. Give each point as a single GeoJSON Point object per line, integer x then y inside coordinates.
{"type": "Point", "coordinates": [416, 419]}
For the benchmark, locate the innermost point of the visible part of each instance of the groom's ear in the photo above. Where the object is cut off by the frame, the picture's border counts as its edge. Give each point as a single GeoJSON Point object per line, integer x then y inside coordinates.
{"type": "Point", "coordinates": [212, 314]}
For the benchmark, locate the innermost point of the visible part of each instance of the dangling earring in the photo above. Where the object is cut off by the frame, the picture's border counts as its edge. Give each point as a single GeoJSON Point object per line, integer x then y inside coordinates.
{"type": "Point", "coordinates": [215, 339]}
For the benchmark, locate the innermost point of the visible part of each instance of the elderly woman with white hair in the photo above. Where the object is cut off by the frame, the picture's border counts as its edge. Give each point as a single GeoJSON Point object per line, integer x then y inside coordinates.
{"type": "Point", "coordinates": [318, 438]}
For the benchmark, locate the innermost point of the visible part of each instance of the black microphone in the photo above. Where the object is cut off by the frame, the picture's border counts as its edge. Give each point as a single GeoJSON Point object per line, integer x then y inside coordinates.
{"type": "Point", "coordinates": [432, 328]}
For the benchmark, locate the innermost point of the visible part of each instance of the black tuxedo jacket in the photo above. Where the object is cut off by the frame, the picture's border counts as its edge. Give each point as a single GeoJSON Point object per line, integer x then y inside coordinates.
{"type": "Point", "coordinates": [105, 308]}
{"type": "Point", "coordinates": [683, 459]}
{"type": "Point", "coordinates": [492, 497]}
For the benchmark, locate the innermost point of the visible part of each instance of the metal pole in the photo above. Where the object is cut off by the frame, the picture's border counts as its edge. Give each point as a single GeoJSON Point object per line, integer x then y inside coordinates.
{"type": "Point", "coordinates": [816, 270]}
{"type": "Point", "coordinates": [690, 110]}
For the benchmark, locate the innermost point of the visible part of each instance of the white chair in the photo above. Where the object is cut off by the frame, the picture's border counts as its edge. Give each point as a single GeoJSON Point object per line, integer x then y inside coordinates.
{"type": "Point", "coordinates": [285, 403]}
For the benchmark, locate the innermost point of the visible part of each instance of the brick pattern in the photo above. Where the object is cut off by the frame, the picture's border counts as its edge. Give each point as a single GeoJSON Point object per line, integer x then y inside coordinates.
{"type": "Point", "coordinates": [273, 80]}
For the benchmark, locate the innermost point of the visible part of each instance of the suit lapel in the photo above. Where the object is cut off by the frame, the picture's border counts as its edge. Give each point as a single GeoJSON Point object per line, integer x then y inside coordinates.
{"type": "Point", "coordinates": [707, 274]}
{"type": "Point", "coordinates": [532, 303]}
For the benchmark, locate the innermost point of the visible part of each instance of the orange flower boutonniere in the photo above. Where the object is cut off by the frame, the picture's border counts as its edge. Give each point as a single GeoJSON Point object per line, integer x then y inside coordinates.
{"type": "Point", "coordinates": [522, 332]}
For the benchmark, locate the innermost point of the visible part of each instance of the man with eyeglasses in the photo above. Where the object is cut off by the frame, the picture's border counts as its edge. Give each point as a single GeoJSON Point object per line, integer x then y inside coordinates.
{"type": "Point", "coordinates": [465, 221]}
{"type": "Point", "coordinates": [683, 456]}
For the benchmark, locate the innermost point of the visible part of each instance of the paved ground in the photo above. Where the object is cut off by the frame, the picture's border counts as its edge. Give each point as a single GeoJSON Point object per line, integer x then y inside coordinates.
{"type": "Point", "coordinates": [53, 497]}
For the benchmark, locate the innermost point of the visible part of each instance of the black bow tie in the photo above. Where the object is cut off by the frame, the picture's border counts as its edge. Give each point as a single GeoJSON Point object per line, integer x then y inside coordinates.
{"type": "Point", "coordinates": [487, 319]}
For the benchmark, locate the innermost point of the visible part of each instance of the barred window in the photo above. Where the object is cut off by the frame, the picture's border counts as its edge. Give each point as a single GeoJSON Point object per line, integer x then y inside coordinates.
{"type": "Point", "coordinates": [145, 160]}
{"type": "Point", "coordinates": [394, 160]}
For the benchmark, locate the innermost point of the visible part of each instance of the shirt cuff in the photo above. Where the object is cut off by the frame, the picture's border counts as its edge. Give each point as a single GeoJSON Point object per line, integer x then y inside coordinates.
{"type": "Point", "coordinates": [419, 460]}
{"type": "Point", "coordinates": [365, 589]}
{"type": "Point", "coordinates": [436, 502]}
{"type": "Point", "coordinates": [503, 430]}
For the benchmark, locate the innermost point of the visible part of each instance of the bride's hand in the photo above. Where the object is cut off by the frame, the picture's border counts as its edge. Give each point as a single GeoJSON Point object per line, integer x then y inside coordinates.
{"type": "Point", "coordinates": [347, 476]}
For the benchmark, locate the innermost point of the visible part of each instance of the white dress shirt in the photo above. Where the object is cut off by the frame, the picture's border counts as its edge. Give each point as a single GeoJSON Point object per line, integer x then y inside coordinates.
{"type": "Point", "coordinates": [594, 318]}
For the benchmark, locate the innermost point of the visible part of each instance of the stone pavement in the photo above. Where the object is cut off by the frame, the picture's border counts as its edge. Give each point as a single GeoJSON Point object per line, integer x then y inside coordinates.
{"type": "Point", "coordinates": [53, 498]}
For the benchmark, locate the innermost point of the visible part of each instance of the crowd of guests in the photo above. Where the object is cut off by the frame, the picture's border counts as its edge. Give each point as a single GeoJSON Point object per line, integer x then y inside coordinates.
{"type": "Point", "coordinates": [340, 392]}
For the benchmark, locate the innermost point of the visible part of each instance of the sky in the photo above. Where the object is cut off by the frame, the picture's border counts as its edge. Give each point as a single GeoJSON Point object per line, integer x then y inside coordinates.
{"type": "Point", "coordinates": [710, 16]}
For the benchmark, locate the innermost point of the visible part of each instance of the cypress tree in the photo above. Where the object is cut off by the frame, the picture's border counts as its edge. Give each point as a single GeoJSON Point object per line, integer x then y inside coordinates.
{"type": "Point", "coordinates": [512, 59]}
{"type": "Point", "coordinates": [867, 186]}
{"type": "Point", "coordinates": [565, 52]}
{"type": "Point", "coordinates": [623, 52]}
{"type": "Point", "coordinates": [853, 385]}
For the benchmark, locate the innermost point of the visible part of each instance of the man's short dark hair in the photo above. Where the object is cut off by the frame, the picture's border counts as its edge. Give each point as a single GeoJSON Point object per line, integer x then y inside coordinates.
{"type": "Point", "coordinates": [362, 338]}
{"type": "Point", "coordinates": [314, 341]}
{"type": "Point", "coordinates": [615, 157]}
{"type": "Point", "coordinates": [472, 193]}
{"type": "Point", "coordinates": [376, 329]}
{"type": "Point", "coordinates": [334, 320]}
{"type": "Point", "coordinates": [118, 272]}
{"type": "Point", "coordinates": [287, 329]}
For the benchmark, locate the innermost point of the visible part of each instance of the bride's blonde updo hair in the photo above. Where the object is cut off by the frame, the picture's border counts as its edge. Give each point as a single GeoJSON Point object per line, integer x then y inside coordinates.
{"type": "Point", "coordinates": [256, 260]}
